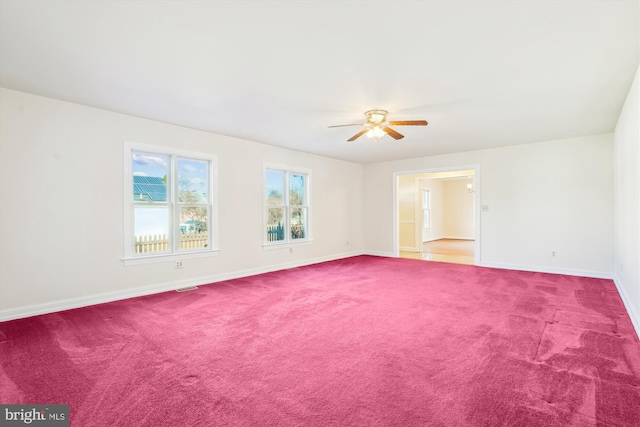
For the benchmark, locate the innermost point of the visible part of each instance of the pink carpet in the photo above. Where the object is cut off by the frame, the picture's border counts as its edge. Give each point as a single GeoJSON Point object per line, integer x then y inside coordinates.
{"type": "Point", "coordinates": [365, 341]}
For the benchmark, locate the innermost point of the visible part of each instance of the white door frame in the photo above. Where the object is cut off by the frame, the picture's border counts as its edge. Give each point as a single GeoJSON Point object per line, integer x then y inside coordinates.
{"type": "Point", "coordinates": [476, 184]}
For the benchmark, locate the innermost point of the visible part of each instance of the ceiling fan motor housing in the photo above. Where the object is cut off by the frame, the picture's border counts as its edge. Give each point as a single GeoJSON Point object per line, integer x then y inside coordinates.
{"type": "Point", "coordinates": [376, 116]}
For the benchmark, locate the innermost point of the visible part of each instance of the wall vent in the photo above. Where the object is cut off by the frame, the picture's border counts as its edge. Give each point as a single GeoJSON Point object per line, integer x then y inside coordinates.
{"type": "Point", "coordinates": [188, 288]}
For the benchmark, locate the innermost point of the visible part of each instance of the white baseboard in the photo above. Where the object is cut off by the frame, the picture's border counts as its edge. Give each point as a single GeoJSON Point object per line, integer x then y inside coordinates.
{"type": "Point", "coordinates": [633, 315]}
{"type": "Point", "coordinates": [378, 253]}
{"type": "Point", "coordinates": [550, 270]}
{"type": "Point", "coordinates": [408, 249]}
{"type": "Point", "coordinates": [459, 237]}
{"type": "Point", "coordinates": [34, 310]}
{"type": "Point", "coordinates": [18, 313]}
{"type": "Point", "coordinates": [433, 239]}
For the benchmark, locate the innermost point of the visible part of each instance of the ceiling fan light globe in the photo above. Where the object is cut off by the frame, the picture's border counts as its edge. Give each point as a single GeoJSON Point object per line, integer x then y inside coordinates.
{"type": "Point", "coordinates": [375, 132]}
{"type": "Point", "coordinates": [377, 118]}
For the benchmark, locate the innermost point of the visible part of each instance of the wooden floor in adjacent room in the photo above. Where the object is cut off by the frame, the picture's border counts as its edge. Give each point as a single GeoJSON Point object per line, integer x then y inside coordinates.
{"type": "Point", "coordinates": [446, 250]}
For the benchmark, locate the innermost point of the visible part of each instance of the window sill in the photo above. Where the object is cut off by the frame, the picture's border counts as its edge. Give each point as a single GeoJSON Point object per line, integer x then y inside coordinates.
{"type": "Point", "coordinates": [285, 245]}
{"type": "Point", "coordinates": [151, 259]}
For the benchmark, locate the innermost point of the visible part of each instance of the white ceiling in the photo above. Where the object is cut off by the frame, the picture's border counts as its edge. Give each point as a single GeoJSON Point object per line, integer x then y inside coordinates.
{"type": "Point", "coordinates": [483, 73]}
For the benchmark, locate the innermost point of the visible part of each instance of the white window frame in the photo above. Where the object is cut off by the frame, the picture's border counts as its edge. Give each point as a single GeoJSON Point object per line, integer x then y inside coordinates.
{"type": "Point", "coordinates": [130, 257]}
{"type": "Point", "coordinates": [426, 208]}
{"type": "Point", "coordinates": [287, 170]}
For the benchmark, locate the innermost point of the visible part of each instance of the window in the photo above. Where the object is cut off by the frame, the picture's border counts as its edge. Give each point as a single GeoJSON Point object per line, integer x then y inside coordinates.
{"type": "Point", "coordinates": [286, 205]}
{"type": "Point", "coordinates": [170, 204]}
{"type": "Point", "coordinates": [426, 208]}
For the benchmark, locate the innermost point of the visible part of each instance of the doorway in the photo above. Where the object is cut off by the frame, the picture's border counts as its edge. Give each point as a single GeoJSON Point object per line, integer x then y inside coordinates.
{"type": "Point", "coordinates": [436, 215]}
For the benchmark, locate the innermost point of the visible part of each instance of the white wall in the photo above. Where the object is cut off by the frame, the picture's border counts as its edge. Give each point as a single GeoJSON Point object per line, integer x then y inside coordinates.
{"type": "Point", "coordinates": [627, 202]}
{"type": "Point", "coordinates": [407, 218]}
{"type": "Point", "coordinates": [458, 209]}
{"type": "Point", "coordinates": [437, 214]}
{"type": "Point", "coordinates": [452, 209]}
{"type": "Point", "coordinates": [542, 197]}
{"type": "Point", "coordinates": [61, 210]}
{"type": "Point", "coordinates": [61, 224]}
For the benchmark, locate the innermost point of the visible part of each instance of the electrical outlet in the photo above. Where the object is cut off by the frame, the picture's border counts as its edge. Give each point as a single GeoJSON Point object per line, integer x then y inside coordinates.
{"type": "Point", "coordinates": [553, 254]}
{"type": "Point", "coordinates": [621, 268]}
{"type": "Point", "coordinates": [347, 243]}
{"type": "Point", "coordinates": [290, 250]}
{"type": "Point", "coordinates": [485, 208]}
{"type": "Point", "coordinates": [178, 264]}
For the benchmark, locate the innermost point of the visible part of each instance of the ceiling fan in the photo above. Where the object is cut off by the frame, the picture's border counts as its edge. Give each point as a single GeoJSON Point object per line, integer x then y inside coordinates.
{"type": "Point", "coordinates": [377, 125]}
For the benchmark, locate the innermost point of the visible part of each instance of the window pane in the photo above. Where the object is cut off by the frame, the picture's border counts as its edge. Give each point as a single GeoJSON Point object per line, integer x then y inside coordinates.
{"type": "Point", "coordinates": [194, 230]}
{"type": "Point", "coordinates": [275, 188]}
{"type": "Point", "coordinates": [150, 173]}
{"type": "Point", "coordinates": [298, 223]}
{"type": "Point", "coordinates": [192, 181]}
{"type": "Point", "coordinates": [426, 199]}
{"type": "Point", "coordinates": [296, 190]}
{"type": "Point", "coordinates": [426, 218]}
{"type": "Point", "coordinates": [151, 229]}
{"type": "Point", "coordinates": [275, 224]}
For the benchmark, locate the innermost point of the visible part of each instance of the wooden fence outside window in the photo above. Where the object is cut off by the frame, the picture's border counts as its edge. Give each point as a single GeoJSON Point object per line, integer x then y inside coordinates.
{"type": "Point", "coordinates": [160, 243]}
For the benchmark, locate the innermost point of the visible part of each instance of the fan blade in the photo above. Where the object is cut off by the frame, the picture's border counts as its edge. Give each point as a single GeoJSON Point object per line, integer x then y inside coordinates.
{"type": "Point", "coordinates": [353, 124]}
{"type": "Point", "coordinates": [392, 133]}
{"type": "Point", "coordinates": [408, 123]}
{"type": "Point", "coordinates": [357, 135]}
